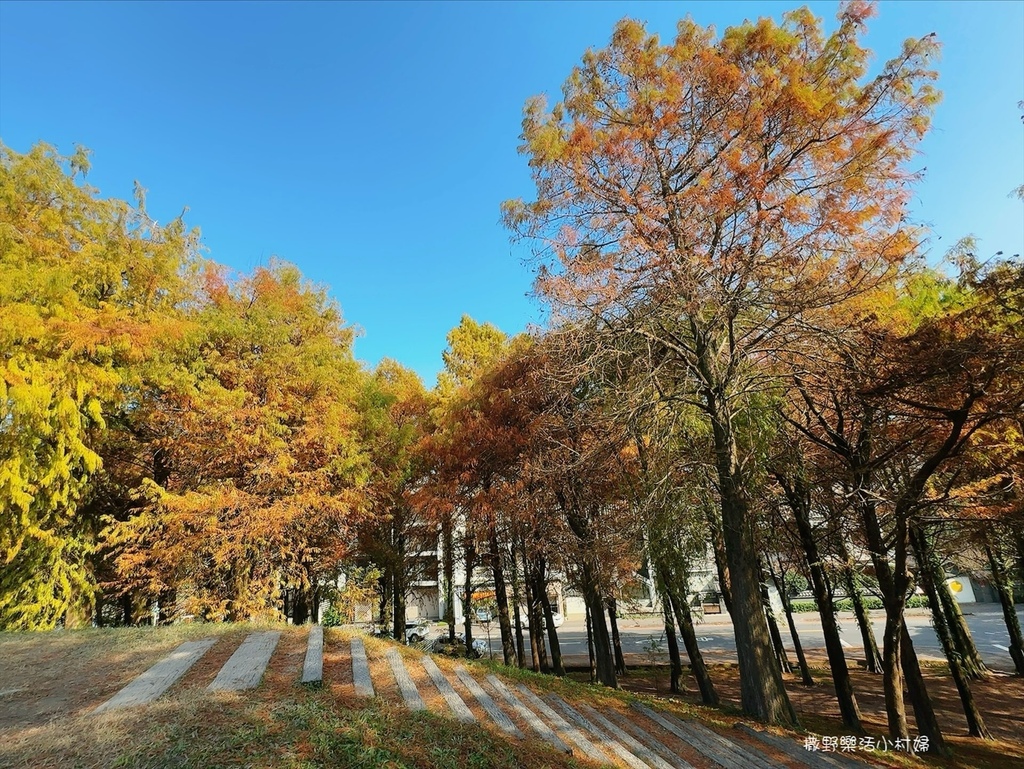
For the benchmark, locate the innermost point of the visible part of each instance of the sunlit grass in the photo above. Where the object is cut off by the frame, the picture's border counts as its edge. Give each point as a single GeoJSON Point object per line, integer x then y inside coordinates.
{"type": "Point", "coordinates": [284, 724]}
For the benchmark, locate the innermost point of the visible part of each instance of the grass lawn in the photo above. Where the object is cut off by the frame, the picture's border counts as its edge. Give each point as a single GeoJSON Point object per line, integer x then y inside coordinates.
{"type": "Point", "coordinates": [50, 683]}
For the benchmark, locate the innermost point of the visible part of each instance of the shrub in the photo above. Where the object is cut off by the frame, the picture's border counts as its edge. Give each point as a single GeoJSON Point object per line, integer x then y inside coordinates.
{"type": "Point", "coordinates": [795, 583]}
{"type": "Point", "coordinates": [332, 618]}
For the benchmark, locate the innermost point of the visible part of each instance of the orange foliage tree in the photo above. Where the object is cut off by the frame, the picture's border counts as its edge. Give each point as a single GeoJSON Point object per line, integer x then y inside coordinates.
{"type": "Point", "coordinates": [259, 462]}
{"type": "Point", "coordinates": [704, 194]}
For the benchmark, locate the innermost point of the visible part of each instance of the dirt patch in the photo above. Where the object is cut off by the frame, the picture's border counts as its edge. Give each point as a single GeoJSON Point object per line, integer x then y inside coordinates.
{"type": "Point", "coordinates": [46, 676]}
{"type": "Point", "coordinates": [285, 667]}
{"type": "Point", "coordinates": [384, 685]}
{"type": "Point", "coordinates": [338, 667]}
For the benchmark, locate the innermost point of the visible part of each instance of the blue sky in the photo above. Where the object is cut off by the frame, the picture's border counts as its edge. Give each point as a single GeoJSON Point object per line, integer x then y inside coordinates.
{"type": "Point", "coordinates": [372, 143]}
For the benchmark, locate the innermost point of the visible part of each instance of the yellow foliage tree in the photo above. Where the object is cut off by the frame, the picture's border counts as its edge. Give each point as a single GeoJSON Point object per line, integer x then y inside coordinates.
{"type": "Point", "coordinates": [88, 294]}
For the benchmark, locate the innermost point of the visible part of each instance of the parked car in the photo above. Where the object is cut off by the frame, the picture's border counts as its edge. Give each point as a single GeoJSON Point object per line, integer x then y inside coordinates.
{"type": "Point", "coordinates": [556, 618]}
{"type": "Point", "coordinates": [416, 631]}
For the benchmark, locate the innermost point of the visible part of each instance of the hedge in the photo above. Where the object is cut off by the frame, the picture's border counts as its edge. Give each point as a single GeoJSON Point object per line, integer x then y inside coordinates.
{"type": "Point", "coordinates": [870, 602]}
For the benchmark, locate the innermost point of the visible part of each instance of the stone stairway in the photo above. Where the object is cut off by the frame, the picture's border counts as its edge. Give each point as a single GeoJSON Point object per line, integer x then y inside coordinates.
{"type": "Point", "coordinates": [636, 738]}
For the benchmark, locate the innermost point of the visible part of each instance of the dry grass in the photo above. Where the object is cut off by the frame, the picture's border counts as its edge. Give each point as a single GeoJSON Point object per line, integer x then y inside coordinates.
{"type": "Point", "coordinates": [49, 683]}
{"type": "Point", "coordinates": [62, 677]}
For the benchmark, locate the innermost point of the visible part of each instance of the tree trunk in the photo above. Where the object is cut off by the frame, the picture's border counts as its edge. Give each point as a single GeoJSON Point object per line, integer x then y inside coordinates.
{"type": "Point", "coordinates": [924, 713]}
{"type": "Point", "coordinates": [940, 621]}
{"type": "Point", "coordinates": [520, 646]}
{"type": "Point", "coordinates": [620, 659]}
{"type": "Point", "coordinates": [894, 583]}
{"type": "Point", "coordinates": [892, 678]}
{"type": "Point", "coordinates": [399, 618]}
{"type": "Point", "coordinates": [1018, 542]}
{"type": "Point", "coordinates": [386, 587]}
{"type": "Point", "coordinates": [787, 606]}
{"type": "Point", "coordinates": [675, 661]}
{"type": "Point", "coordinates": [127, 613]}
{"type": "Point", "coordinates": [508, 648]}
{"type": "Point", "coordinates": [401, 575]}
{"type": "Point", "coordinates": [872, 654]}
{"type": "Point", "coordinates": [603, 655]}
{"type": "Point", "coordinates": [773, 628]}
{"type": "Point", "coordinates": [300, 607]}
{"type": "Point", "coordinates": [590, 645]}
{"type": "Point", "coordinates": [517, 600]}
{"type": "Point", "coordinates": [975, 722]}
{"type": "Point", "coordinates": [580, 522]}
{"type": "Point", "coordinates": [467, 601]}
{"type": "Point", "coordinates": [166, 603]}
{"type": "Point", "coordinates": [799, 504]}
{"type": "Point", "coordinates": [945, 609]}
{"type": "Point", "coordinates": [537, 648]}
{"type": "Point", "coordinates": [558, 667]}
{"type": "Point", "coordinates": [721, 563]}
{"type": "Point", "coordinates": [1005, 589]}
{"type": "Point", "coordinates": [448, 567]}
{"type": "Point", "coordinates": [762, 693]}
{"type": "Point", "coordinates": [677, 597]}
{"type": "Point", "coordinates": [974, 667]}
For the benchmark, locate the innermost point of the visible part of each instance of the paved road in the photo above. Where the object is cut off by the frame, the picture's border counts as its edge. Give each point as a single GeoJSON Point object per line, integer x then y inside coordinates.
{"type": "Point", "coordinates": [716, 634]}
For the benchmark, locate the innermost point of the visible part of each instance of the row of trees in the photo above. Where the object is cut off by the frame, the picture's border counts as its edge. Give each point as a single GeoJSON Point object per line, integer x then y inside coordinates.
{"type": "Point", "coordinates": [720, 231]}
{"type": "Point", "coordinates": [747, 360]}
{"type": "Point", "coordinates": [172, 438]}
{"type": "Point", "coordinates": [883, 446]}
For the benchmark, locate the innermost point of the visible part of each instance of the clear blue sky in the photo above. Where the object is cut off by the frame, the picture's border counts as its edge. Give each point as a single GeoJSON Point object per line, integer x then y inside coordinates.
{"type": "Point", "coordinates": [371, 144]}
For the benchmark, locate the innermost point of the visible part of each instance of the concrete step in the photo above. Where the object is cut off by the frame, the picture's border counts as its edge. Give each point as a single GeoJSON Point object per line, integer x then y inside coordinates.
{"type": "Point", "coordinates": [527, 715]}
{"type": "Point", "coordinates": [643, 753]}
{"type": "Point", "coordinates": [313, 667]}
{"type": "Point", "coordinates": [159, 678]}
{"type": "Point", "coordinates": [796, 751]}
{"type": "Point", "coordinates": [648, 740]}
{"type": "Point", "coordinates": [574, 735]}
{"type": "Point", "coordinates": [245, 668]}
{"type": "Point", "coordinates": [455, 703]}
{"type": "Point", "coordinates": [602, 740]}
{"type": "Point", "coordinates": [361, 669]}
{"type": "Point", "coordinates": [410, 694]}
{"type": "Point", "coordinates": [487, 703]}
{"type": "Point", "coordinates": [604, 736]}
{"type": "Point", "coordinates": [723, 752]}
{"type": "Point", "coordinates": [743, 753]}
